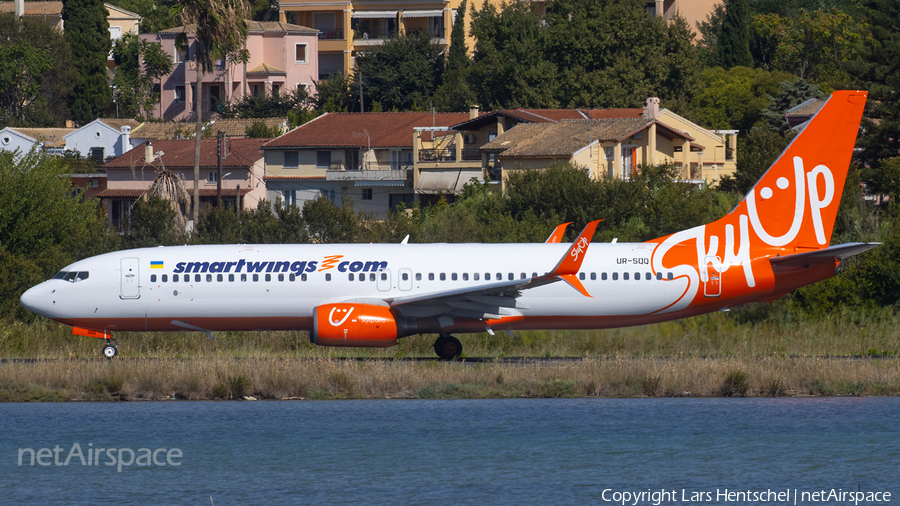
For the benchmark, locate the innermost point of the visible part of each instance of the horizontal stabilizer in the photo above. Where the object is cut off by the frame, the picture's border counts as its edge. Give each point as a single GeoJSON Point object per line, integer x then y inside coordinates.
{"type": "Point", "coordinates": [823, 256]}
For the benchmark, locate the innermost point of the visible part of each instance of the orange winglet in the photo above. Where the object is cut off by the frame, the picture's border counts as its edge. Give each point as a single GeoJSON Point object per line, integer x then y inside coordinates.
{"type": "Point", "coordinates": [571, 262]}
{"type": "Point", "coordinates": [99, 334]}
{"type": "Point", "coordinates": [557, 235]}
{"type": "Point", "coordinates": [573, 281]}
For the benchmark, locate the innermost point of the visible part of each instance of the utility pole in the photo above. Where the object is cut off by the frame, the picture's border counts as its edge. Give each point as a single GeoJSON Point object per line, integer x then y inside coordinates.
{"type": "Point", "coordinates": [362, 105]}
{"type": "Point", "coordinates": [220, 145]}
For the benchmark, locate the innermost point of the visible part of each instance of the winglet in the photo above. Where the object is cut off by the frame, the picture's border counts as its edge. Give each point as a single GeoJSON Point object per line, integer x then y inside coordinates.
{"type": "Point", "coordinates": [571, 261]}
{"type": "Point", "coordinates": [573, 281]}
{"type": "Point", "coordinates": [557, 235]}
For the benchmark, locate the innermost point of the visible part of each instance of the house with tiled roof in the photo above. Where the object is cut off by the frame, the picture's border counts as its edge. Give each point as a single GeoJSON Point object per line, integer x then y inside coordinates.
{"type": "Point", "coordinates": [452, 158]}
{"type": "Point", "coordinates": [802, 112]}
{"type": "Point", "coordinates": [101, 138]}
{"type": "Point", "coordinates": [364, 157]}
{"type": "Point", "coordinates": [283, 57]}
{"type": "Point", "coordinates": [174, 130]}
{"type": "Point", "coordinates": [130, 175]}
{"type": "Point", "coordinates": [607, 142]}
{"type": "Point", "coordinates": [50, 140]}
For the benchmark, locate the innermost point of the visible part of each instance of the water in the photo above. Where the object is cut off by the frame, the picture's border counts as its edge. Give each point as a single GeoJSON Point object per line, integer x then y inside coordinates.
{"type": "Point", "coordinates": [556, 451]}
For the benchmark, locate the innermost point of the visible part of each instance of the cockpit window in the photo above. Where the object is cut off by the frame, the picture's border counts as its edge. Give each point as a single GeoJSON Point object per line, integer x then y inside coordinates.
{"type": "Point", "coordinates": [72, 276]}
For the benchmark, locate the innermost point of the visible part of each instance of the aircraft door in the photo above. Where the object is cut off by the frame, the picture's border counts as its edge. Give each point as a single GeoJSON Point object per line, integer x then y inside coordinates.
{"type": "Point", "coordinates": [405, 279]}
{"type": "Point", "coordinates": [713, 285]}
{"type": "Point", "coordinates": [131, 279]}
{"type": "Point", "coordinates": [384, 280]}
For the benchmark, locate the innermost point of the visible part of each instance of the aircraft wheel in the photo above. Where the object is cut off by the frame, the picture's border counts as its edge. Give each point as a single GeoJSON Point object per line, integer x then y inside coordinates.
{"type": "Point", "coordinates": [448, 347]}
{"type": "Point", "coordinates": [109, 351]}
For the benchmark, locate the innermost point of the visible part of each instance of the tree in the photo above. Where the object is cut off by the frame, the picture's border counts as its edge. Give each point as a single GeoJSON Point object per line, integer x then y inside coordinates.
{"type": "Point", "coordinates": [734, 98]}
{"type": "Point", "coordinates": [219, 28]}
{"type": "Point", "coordinates": [34, 92]}
{"type": "Point", "coordinates": [879, 73]}
{"type": "Point", "coordinates": [401, 74]}
{"type": "Point", "coordinates": [509, 68]}
{"type": "Point", "coordinates": [156, 15]}
{"type": "Point", "coordinates": [134, 81]}
{"type": "Point", "coordinates": [21, 68]}
{"type": "Point", "coordinates": [454, 94]}
{"type": "Point", "coordinates": [710, 32]}
{"type": "Point", "coordinates": [259, 130]}
{"type": "Point", "coordinates": [87, 32]}
{"type": "Point", "coordinates": [734, 39]}
{"type": "Point", "coordinates": [792, 94]}
{"type": "Point", "coordinates": [814, 44]}
{"type": "Point", "coordinates": [43, 226]}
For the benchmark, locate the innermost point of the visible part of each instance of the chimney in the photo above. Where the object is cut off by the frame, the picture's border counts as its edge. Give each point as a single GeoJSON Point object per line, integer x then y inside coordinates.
{"type": "Point", "coordinates": [148, 152]}
{"type": "Point", "coordinates": [20, 8]}
{"type": "Point", "coordinates": [126, 138]}
{"type": "Point", "coordinates": [651, 110]}
{"type": "Point", "coordinates": [473, 111]}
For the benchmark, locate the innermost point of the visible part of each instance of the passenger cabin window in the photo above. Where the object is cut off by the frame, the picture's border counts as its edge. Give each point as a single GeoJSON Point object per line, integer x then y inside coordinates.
{"type": "Point", "coordinates": [443, 277]}
{"type": "Point", "coordinates": [593, 276]}
{"type": "Point", "coordinates": [220, 278]}
{"type": "Point", "coordinates": [243, 277]}
{"type": "Point", "coordinates": [372, 277]}
{"type": "Point", "coordinates": [350, 276]}
{"type": "Point", "coordinates": [465, 276]}
{"type": "Point", "coordinates": [648, 276]}
{"type": "Point", "coordinates": [487, 276]}
{"type": "Point", "coordinates": [581, 276]}
{"type": "Point", "coordinates": [255, 278]}
{"type": "Point", "coordinates": [165, 278]}
{"type": "Point", "coordinates": [670, 277]}
{"type": "Point", "coordinates": [405, 276]}
{"type": "Point", "coordinates": [303, 277]}
{"type": "Point", "coordinates": [209, 278]}
{"type": "Point", "coordinates": [511, 276]}
{"type": "Point", "coordinates": [231, 278]}
{"type": "Point", "coordinates": [175, 278]}
{"type": "Point", "coordinates": [475, 276]}
{"type": "Point", "coordinates": [659, 276]}
{"type": "Point", "coordinates": [453, 276]}
{"type": "Point", "coordinates": [153, 278]}
{"type": "Point", "coordinates": [625, 276]}
{"type": "Point", "coordinates": [197, 278]}
{"type": "Point", "coordinates": [328, 277]}
{"type": "Point", "coordinates": [615, 276]}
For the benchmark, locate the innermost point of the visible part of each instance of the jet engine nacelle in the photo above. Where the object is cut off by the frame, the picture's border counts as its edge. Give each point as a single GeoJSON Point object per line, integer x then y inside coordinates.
{"type": "Point", "coordinates": [359, 325]}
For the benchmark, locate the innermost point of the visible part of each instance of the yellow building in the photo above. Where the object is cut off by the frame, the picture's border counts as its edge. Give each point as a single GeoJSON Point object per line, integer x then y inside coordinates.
{"type": "Point", "coordinates": [607, 142]}
{"type": "Point", "coordinates": [349, 26]}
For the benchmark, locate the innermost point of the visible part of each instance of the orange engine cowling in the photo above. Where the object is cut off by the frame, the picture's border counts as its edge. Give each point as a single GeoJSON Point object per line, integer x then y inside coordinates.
{"type": "Point", "coordinates": [360, 325]}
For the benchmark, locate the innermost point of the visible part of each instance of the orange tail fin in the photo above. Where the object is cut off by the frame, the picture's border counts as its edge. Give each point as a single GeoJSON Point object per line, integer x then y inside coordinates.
{"type": "Point", "coordinates": [795, 202]}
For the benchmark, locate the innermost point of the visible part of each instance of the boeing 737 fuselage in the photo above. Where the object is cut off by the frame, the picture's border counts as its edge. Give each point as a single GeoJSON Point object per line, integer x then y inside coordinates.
{"type": "Point", "coordinates": [776, 240]}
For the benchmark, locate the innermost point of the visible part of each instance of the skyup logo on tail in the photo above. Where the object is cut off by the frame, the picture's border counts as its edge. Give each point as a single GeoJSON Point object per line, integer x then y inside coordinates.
{"type": "Point", "coordinates": [296, 266]}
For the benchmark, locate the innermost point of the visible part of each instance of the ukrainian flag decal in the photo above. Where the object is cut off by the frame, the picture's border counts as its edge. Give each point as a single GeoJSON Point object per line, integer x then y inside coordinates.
{"type": "Point", "coordinates": [156, 265]}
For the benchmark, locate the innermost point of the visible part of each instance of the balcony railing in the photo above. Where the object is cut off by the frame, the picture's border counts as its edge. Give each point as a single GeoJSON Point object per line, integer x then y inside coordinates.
{"type": "Point", "coordinates": [366, 175]}
{"type": "Point", "coordinates": [448, 155]}
{"type": "Point", "coordinates": [374, 34]}
{"type": "Point", "coordinates": [331, 35]}
{"type": "Point", "coordinates": [437, 155]}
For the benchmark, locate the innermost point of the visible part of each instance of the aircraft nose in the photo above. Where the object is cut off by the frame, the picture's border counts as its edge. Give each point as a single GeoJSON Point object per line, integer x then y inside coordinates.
{"type": "Point", "coordinates": [35, 299]}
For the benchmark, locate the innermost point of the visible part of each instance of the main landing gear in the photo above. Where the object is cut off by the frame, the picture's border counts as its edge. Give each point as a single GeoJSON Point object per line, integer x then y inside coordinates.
{"type": "Point", "coordinates": [447, 347]}
{"type": "Point", "coordinates": [110, 349]}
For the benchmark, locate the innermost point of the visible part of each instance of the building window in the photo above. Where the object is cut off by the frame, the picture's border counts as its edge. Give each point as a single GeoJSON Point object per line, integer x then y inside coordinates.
{"type": "Point", "coordinates": [97, 154]}
{"type": "Point", "coordinates": [211, 176]}
{"type": "Point", "coordinates": [367, 194]}
{"type": "Point", "coordinates": [179, 94]}
{"type": "Point", "coordinates": [276, 90]}
{"type": "Point", "coordinates": [328, 194]}
{"type": "Point", "coordinates": [290, 197]}
{"type": "Point", "coordinates": [303, 88]}
{"type": "Point", "coordinates": [323, 158]}
{"type": "Point", "coordinates": [291, 159]}
{"type": "Point", "coordinates": [300, 53]}
{"type": "Point", "coordinates": [182, 54]}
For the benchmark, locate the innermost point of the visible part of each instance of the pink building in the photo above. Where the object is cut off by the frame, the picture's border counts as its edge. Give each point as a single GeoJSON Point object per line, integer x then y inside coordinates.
{"type": "Point", "coordinates": [282, 57]}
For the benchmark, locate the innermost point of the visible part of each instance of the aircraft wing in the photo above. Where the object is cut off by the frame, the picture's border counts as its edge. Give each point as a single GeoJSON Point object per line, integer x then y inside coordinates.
{"type": "Point", "coordinates": [823, 256]}
{"type": "Point", "coordinates": [497, 300]}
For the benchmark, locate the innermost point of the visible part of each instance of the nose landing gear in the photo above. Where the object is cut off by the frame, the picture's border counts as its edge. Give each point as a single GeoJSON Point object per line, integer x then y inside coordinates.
{"type": "Point", "coordinates": [110, 349]}
{"type": "Point", "coordinates": [447, 347]}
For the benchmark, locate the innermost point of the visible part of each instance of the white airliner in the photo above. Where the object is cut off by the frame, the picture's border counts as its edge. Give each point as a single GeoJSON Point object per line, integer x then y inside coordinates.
{"type": "Point", "coordinates": [776, 240]}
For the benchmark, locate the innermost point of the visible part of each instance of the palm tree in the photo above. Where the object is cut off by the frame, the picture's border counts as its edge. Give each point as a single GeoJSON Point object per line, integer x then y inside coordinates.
{"type": "Point", "coordinates": [219, 27]}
